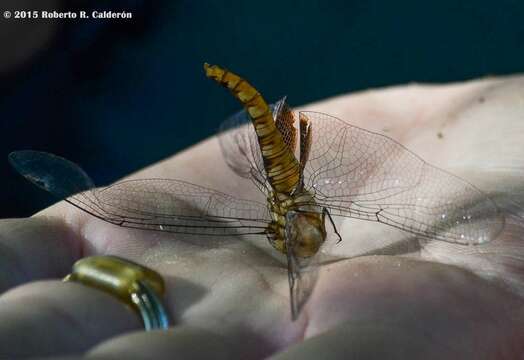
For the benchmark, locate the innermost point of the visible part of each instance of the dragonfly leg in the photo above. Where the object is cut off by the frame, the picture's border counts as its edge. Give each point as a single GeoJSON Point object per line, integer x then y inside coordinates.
{"type": "Point", "coordinates": [325, 212]}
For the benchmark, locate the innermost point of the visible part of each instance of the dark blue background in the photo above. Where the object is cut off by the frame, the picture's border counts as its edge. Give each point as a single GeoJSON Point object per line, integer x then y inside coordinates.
{"type": "Point", "coordinates": [115, 96]}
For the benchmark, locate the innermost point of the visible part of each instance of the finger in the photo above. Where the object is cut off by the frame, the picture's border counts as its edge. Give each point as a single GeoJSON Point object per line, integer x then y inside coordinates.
{"type": "Point", "coordinates": [54, 318]}
{"type": "Point", "coordinates": [178, 343]}
{"type": "Point", "coordinates": [35, 248]}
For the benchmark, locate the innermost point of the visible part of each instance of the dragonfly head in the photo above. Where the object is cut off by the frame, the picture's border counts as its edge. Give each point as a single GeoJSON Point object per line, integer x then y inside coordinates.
{"type": "Point", "coordinates": [305, 232]}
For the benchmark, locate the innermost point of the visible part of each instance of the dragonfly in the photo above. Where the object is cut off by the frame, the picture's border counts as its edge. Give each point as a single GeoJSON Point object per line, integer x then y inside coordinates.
{"type": "Point", "coordinates": [310, 167]}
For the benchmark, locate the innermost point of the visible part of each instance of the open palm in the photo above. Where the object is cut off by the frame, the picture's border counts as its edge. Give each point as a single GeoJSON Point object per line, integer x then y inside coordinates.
{"type": "Point", "coordinates": [229, 296]}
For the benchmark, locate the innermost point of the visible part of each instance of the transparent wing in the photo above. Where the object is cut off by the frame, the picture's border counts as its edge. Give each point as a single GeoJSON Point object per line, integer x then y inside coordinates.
{"type": "Point", "coordinates": [240, 147]}
{"type": "Point", "coordinates": [151, 204]}
{"type": "Point", "coordinates": [360, 174]}
{"type": "Point", "coordinates": [302, 275]}
{"type": "Point", "coordinates": [302, 271]}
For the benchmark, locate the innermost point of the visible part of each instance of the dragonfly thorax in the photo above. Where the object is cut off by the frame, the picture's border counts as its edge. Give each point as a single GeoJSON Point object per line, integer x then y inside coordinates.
{"type": "Point", "coordinates": [297, 219]}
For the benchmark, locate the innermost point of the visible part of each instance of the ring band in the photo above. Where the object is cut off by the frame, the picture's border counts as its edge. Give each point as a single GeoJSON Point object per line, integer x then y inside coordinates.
{"type": "Point", "coordinates": [134, 284]}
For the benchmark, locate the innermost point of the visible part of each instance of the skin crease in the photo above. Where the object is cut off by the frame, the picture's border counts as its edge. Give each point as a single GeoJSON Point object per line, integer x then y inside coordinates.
{"type": "Point", "coordinates": [229, 297]}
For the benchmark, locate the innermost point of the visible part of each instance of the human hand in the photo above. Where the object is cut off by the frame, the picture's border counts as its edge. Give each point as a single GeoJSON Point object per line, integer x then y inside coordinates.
{"type": "Point", "coordinates": [229, 297]}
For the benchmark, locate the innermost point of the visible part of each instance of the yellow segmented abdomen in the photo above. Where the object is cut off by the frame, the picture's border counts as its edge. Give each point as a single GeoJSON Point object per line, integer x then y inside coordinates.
{"type": "Point", "coordinates": [281, 166]}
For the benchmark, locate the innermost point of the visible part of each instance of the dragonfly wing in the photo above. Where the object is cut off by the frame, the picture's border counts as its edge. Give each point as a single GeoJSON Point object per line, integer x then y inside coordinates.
{"type": "Point", "coordinates": [240, 148]}
{"type": "Point", "coordinates": [151, 204]}
{"type": "Point", "coordinates": [302, 279]}
{"type": "Point", "coordinates": [178, 206]}
{"type": "Point", "coordinates": [50, 172]}
{"type": "Point", "coordinates": [239, 142]}
{"type": "Point", "coordinates": [285, 123]}
{"type": "Point", "coordinates": [360, 174]}
{"type": "Point", "coordinates": [302, 271]}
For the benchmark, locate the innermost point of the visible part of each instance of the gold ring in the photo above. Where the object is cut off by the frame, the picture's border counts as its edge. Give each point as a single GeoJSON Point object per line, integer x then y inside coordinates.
{"type": "Point", "coordinates": [134, 284]}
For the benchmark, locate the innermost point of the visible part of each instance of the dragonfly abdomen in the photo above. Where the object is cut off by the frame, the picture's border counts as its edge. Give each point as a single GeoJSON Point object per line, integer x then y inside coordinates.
{"type": "Point", "coordinates": [282, 168]}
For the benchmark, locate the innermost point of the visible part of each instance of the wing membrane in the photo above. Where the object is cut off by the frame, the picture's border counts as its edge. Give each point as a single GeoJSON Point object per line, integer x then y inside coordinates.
{"type": "Point", "coordinates": [302, 272]}
{"type": "Point", "coordinates": [176, 206]}
{"type": "Point", "coordinates": [360, 174]}
{"type": "Point", "coordinates": [151, 204]}
{"type": "Point", "coordinates": [240, 147]}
